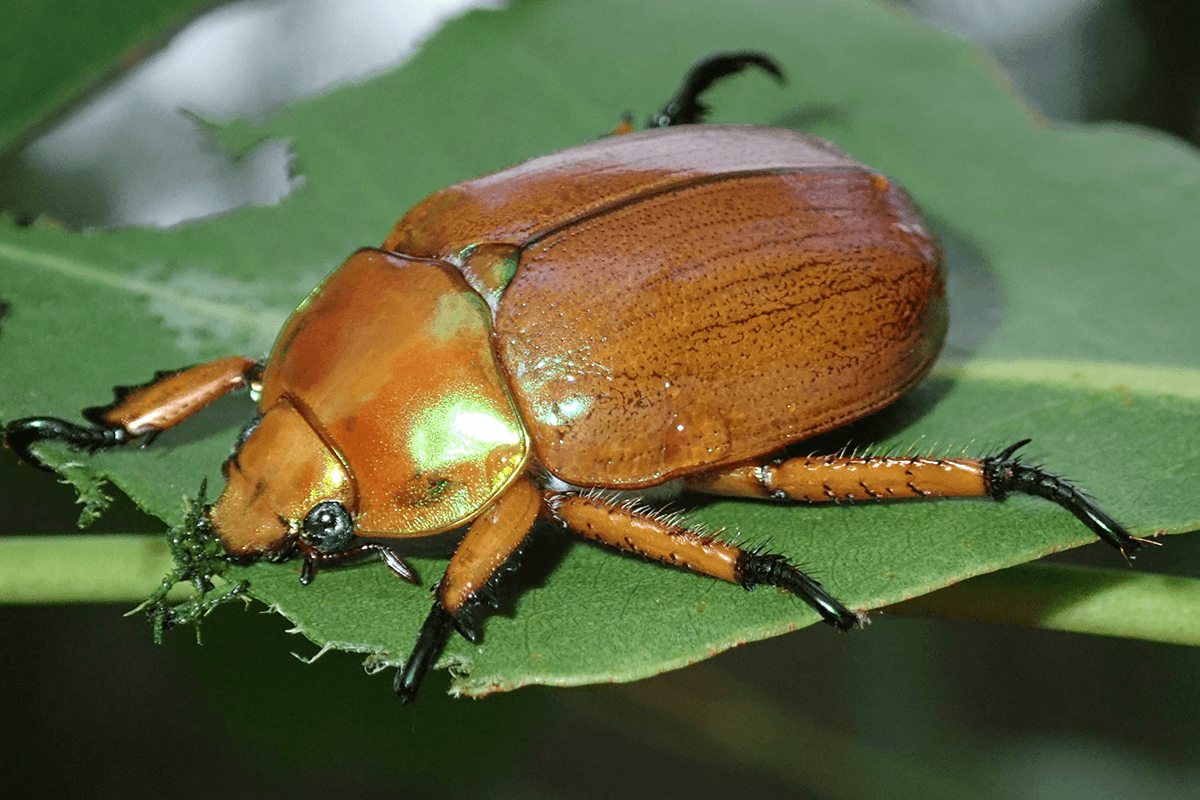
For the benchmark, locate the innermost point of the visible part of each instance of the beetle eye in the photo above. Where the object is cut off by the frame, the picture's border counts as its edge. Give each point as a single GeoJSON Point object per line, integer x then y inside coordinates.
{"type": "Point", "coordinates": [328, 526]}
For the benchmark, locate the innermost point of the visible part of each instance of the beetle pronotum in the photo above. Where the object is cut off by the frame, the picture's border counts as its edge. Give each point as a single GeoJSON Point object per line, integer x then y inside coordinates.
{"type": "Point", "coordinates": [652, 312]}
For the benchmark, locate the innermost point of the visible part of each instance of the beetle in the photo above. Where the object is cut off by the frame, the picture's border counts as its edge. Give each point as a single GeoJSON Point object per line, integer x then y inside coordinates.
{"type": "Point", "coordinates": [576, 338]}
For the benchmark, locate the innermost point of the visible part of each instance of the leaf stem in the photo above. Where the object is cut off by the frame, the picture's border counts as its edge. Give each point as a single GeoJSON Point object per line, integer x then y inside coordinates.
{"type": "Point", "coordinates": [81, 568]}
{"type": "Point", "coordinates": [1157, 608]}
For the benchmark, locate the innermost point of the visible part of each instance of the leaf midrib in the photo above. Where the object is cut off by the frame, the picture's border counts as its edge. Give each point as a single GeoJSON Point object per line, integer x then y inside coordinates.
{"type": "Point", "coordinates": [232, 313]}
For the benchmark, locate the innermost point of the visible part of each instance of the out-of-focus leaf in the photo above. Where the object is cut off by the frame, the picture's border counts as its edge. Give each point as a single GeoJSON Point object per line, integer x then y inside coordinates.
{"type": "Point", "coordinates": [55, 53]}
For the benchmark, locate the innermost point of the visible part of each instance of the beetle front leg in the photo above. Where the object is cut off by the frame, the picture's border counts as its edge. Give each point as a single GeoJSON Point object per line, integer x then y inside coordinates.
{"type": "Point", "coordinates": [489, 544]}
{"type": "Point", "coordinates": [167, 400]}
{"type": "Point", "coordinates": [844, 479]}
{"type": "Point", "coordinates": [662, 539]}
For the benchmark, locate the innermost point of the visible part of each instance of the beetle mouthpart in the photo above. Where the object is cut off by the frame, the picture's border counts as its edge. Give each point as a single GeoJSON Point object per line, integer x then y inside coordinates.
{"type": "Point", "coordinates": [308, 571]}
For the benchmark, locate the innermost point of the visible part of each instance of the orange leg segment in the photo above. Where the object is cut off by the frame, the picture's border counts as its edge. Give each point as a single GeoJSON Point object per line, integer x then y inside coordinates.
{"type": "Point", "coordinates": [816, 479]}
{"type": "Point", "coordinates": [646, 534]}
{"type": "Point", "coordinates": [489, 544]}
{"type": "Point", "coordinates": [170, 398]}
{"type": "Point", "coordinates": [660, 538]}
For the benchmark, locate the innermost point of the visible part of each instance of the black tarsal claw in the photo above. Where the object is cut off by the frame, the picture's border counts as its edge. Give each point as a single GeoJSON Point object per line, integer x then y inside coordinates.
{"type": "Point", "coordinates": [774, 570]}
{"type": "Point", "coordinates": [1004, 473]}
{"type": "Point", "coordinates": [20, 434]}
{"type": "Point", "coordinates": [467, 626]}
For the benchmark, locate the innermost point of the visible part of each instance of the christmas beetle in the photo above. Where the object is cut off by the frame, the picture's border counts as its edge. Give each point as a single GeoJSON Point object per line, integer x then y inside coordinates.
{"type": "Point", "coordinates": [576, 338]}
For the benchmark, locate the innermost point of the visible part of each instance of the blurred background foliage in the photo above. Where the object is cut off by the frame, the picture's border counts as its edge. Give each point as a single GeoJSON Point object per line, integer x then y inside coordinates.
{"type": "Point", "coordinates": [913, 707]}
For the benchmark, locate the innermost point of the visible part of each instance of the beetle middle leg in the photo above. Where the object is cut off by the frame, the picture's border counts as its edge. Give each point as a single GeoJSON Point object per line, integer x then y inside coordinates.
{"type": "Point", "coordinates": [658, 537]}
{"type": "Point", "coordinates": [842, 478]}
{"type": "Point", "coordinates": [685, 107]}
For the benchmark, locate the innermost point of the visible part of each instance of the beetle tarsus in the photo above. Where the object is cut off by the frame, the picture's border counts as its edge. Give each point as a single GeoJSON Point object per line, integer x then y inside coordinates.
{"type": "Point", "coordinates": [774, 570]}
{"type": "Point", "coordinates": [685, 107]}
{"type": "Point", "coordinates": [21, 434]}
{"type": "Point", "coordinates": [430, 643]}
{"type": "Point", "coordinates": [1004, 473]}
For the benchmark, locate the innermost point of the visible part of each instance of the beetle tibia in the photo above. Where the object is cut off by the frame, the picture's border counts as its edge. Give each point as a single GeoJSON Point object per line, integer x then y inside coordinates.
{"type": "Point", "coordinates": [430, 642]}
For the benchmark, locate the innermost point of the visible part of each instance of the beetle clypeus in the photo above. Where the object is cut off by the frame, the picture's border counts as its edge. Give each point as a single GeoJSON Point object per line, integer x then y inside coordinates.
{"type": "Point", "coordinates": [646, 314]}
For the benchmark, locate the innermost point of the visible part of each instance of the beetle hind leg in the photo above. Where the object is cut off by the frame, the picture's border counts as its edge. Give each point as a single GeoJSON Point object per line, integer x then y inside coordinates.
{"type": "Point", "coordinates": [847, 479]}
{"type": "Point", "coordinates": [1004, 473]}
{"type": "Point", "coordinates": [661, 538]}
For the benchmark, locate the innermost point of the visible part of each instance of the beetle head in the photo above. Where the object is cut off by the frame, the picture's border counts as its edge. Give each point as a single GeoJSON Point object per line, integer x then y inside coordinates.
{"type": "Point", "coordinates": [283, 484]}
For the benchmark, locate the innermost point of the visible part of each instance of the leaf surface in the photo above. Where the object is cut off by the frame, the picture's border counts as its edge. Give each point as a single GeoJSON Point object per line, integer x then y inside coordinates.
{"type": "Point", "coordinates": [57, 53]}
{"type": "Point", "coordinates": [1071, 253]}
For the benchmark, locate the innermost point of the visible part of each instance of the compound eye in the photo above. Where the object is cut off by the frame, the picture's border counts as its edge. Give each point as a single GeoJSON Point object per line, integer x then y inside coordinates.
{"type": "Point", "coordinates": [328, 527]}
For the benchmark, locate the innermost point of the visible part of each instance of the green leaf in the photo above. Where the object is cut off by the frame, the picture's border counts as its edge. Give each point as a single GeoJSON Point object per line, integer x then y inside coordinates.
{"type": "Point", "coordinates": [1158, 608]}
{"type": "Point", "coordinates": [57, 53]}
{"type": "Point", "coordinates": [1070, 249]}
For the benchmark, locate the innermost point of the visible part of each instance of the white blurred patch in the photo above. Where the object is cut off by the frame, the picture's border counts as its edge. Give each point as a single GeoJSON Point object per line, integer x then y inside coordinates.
{"type": "Point", "coordinates": [129, 157]}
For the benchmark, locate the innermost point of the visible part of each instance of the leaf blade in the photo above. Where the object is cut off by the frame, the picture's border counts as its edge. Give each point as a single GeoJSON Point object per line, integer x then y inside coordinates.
{"type": "Point", "coordinates": [1039, 298]}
